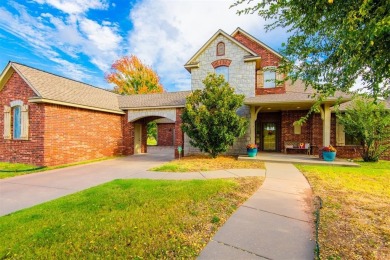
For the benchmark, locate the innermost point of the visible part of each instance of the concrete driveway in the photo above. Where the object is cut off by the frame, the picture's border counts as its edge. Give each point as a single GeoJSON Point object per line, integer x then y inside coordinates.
{"type": "Point", "coordinates": [28, 190]}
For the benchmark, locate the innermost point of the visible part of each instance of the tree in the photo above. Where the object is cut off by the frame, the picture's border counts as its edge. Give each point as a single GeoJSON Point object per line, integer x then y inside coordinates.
{"type": "Point", "coordinates": [210, 117]}
{"type": "Point", "coordinates": [369, 122]}
{"type": "Point", "coordinates": [332, 44]}
{"type": "Point", "coordinates": [131, 76]}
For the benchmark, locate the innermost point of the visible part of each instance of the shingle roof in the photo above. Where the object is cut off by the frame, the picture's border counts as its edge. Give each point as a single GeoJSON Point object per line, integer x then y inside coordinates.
{"type": "Point", "coordinates": [295, 93]}
{"type": "Point", "coordinates": [56, 88]}
{"type": "Point", "coordinates": [167, 99]}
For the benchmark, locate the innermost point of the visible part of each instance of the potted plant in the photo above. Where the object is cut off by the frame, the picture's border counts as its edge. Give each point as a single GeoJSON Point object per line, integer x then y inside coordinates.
{"type": "Point", "coordinates": [252, 150]}
{"type": "Point", "coordinates": [329, 153]}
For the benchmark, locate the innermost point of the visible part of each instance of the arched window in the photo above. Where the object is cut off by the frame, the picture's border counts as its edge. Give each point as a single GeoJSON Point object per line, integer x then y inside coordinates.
{"type": "Point", "coordinates": [269, 77]}
{"type": "Point", "coordinates": [223, 70]}
{"type": "Point", "coordinates": [17, 122]}
{"type": "Point", "coordinates": [16, 119]}
{"type": "Point", "coordinates": [220, 49]}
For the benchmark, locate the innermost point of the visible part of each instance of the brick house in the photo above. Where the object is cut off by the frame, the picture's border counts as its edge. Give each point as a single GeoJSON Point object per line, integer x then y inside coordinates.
{"type": "Point", "coordinates": [51, 120]}
{"type": "Point", "coordinates": [248, 64]}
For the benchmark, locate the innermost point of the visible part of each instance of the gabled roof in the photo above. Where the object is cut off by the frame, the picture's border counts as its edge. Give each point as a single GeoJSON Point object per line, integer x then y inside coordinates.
{"type": "Point", "coordinates": [239, 30]}
{"type": "Point", "coordinates": [192, 61]}
{"type": "Point", "coordinates": [156, 100]}
{"type": "Point", "coordinates": [51, 88]}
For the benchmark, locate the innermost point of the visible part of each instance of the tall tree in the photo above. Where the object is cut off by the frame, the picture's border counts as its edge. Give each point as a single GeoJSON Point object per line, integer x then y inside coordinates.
{"type": "Point", "coordinates": [333, 43]}
{"type": "Point", "coordinates": [369, 123]}
{"type": "Point", "coordinates": [210, 117]}
{"type": "Point", "coordinates": [131, 76]}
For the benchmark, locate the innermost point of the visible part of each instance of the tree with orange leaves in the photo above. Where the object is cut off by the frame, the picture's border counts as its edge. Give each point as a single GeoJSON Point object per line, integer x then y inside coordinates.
{"type": "Point", "coordinates": [131, 76]}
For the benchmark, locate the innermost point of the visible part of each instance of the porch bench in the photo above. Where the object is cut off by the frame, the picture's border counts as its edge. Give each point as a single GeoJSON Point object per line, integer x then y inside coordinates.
{"type": "Point", "coordinates": [300, 146]}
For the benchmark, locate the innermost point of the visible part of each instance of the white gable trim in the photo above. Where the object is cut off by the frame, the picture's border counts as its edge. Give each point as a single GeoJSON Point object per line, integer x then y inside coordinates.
{"type": "Point", "coordinates": [256, 40]}
{"type": "Point", "coordinates": [204, 47]}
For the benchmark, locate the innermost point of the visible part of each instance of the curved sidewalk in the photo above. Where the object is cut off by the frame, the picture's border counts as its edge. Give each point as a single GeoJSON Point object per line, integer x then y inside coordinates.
{"type": "Point", "coordinates": [275, 223]}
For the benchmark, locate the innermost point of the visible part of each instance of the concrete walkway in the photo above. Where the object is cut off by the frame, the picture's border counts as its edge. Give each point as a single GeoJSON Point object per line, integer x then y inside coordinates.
{"type": "Point", "coordinates": [28, 190]}
{"type": "Point", "coordinates": [275, 223]}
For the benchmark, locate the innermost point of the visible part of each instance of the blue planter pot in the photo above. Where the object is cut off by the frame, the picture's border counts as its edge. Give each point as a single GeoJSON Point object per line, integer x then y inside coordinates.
{"type": "Point", "coordinates": [329, 156]}
{"type": "Point", "coordinates": [252, 152]}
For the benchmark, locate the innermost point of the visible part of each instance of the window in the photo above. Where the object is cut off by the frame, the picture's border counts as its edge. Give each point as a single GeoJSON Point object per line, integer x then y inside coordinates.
{"type": "Point", "coordinates": [351, 140]}
{"type": "Point", "coordinates": [220, 49]}
{"type": "Point", "coordinates": [223, 70]}
{"type": "Point", "coordinates": [17, 122]}
{"type": "Point", "coordinates": [297, 128]}
{"type": "Point", "coordinates": [269, 78]}
{"type": "Point", "coordinates": [343, 138]}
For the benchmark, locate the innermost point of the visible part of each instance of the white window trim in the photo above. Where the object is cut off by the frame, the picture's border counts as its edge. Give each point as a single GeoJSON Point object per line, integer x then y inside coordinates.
{"type": "Point", "coordinates": [272, 69]}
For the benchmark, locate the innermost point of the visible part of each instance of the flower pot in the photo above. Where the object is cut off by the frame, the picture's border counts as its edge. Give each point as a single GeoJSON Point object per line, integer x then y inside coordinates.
{"type": "Point", "coordinates": [328, 156]}
{"type": "Point", "coordinates": [252, 152]}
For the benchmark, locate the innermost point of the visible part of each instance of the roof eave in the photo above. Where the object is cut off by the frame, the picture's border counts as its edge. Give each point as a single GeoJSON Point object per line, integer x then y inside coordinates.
{"type": "Point", "coordinates": [151, 107]}
{"type": "Point", "coordinates": [56, 102]}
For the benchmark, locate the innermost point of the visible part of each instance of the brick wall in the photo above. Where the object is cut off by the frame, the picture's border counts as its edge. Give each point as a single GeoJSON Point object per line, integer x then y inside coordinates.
{"type": "Point", "coordinates": [179, 135]}
{"type": "Point", "coordinates": [165, 134]}
{"type": "Point", "coordinates": [75, 134]}
{"type": "Point", "coordinates": [127, 136]}
{"type": "Point", "coordinates": [267, 58]}
{"type": "Point", "coordinates": [288, 119]}
{"type": "Point", "coordinates": [23, 151]}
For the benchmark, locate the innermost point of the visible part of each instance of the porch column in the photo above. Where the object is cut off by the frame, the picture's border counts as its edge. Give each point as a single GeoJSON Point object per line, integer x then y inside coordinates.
{"type": "Point", "coordinates": [326, 115]}
{"type": "Point", "coordinates": [252, 125]}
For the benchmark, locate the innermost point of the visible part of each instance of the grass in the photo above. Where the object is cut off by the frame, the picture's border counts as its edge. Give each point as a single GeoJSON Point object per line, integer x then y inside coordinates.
{"type": "Point", "coordinates": [205, 163]}
{"type": "Point", "coordinates": [355, 218]}
{"type": "Point", "coordinates": [151, 141]}
{"type": "Point", "coordinates": [138, 219]}
{"type": "Point", "coordinates": [15, 169]}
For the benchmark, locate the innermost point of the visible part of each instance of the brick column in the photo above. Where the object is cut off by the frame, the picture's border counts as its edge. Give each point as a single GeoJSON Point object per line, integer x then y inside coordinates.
{"type": "Point", "coordinates": [128, 136]}
{"type": "Point", "coordinates": [179, 135]}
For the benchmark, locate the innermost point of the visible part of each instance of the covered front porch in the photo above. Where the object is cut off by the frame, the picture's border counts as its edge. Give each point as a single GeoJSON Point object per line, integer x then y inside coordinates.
{"type": "Point", "coordinates": [273, 124]}
{"type": "Point", "coordinates": [296, 158]}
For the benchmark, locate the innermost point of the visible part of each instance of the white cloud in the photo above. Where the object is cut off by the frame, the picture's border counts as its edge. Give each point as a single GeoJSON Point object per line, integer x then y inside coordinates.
{"type": "Point", "coordinates": [75, 6]}
{"type": "Point", "coordinates": [167, 33]}
{"type": "Point", "coordinates": [51, 36]}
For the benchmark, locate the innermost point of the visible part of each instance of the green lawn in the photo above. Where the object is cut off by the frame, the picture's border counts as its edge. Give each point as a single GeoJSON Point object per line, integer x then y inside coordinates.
{"type": "Point", "coordinates": [132, 219]}
{"type": "Point", "coordinates": [14, 169]}
{"type": "Point", "coordinates": [151, 141]}
{"type": "Point", "coordinates": [355, 219]}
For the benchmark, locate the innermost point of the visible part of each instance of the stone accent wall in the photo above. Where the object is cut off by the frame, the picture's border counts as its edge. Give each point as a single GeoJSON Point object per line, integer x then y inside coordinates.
{"type": "Point", "coordinates": [75, 134]}
{"type": "Point", "coordinates": [29, 151]}
{"type": "Point", "coordinates": [165, 134]}
{"type": "Point", "coordinates": [135, 114]}
{"type": "Point", "coordinates": [241, 74]}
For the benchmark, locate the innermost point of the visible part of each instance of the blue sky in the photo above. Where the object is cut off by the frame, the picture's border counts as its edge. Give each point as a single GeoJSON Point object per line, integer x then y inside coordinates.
{"type": "Point", "coordinates": [80, 39]}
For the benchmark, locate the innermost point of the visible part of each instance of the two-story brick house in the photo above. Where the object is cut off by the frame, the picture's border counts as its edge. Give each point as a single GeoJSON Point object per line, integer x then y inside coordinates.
{"type": "Point", "coordinates": [249, 66]}
{"type": "Point", "coordinates": [51, 120]}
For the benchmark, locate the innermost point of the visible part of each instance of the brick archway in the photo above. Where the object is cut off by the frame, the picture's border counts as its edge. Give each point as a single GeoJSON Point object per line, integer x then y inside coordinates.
{"type": "Point", "coordinates": [143, 116]}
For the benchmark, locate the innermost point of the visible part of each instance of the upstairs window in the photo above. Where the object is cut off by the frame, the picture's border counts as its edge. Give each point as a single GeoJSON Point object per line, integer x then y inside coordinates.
{"type": "Point", "coordinates": [220, 49]}
{"type": "Point", "coordinates": [269, 77]}
{"type": "Point", "coordinates": [223, 70]}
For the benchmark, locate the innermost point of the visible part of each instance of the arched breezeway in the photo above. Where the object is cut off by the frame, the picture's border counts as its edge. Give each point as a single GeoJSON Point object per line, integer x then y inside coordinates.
{"type": "Point", "coordinates": [138, 120]}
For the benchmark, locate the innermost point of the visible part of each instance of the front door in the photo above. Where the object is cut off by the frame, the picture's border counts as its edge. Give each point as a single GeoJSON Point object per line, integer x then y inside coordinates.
{"type": "Point", "coordinates": [137, 138]}
{"type": "Point", "coordinates": [269, 136]}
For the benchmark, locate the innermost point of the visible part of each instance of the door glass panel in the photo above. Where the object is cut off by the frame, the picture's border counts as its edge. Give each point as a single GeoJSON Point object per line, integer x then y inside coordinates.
{"type": "Point", "coordinates": [269, 136]}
